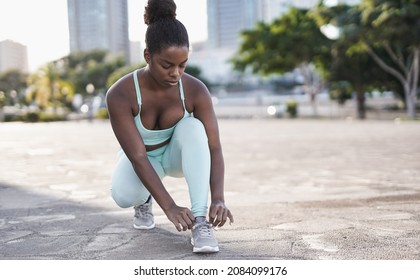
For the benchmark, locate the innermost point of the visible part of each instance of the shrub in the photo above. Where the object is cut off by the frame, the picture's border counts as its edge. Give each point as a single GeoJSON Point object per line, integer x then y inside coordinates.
{"type": "Point", "coordinates": [31, 117]}
{"type": "Point", "coordinates": [292, 108]}
{"type": "Point", "coordinates": [102, 114]}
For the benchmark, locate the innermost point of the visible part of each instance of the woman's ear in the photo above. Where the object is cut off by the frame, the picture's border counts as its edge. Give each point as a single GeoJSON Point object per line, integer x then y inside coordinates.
{"type": "Point", "coordinates": [146, 55]}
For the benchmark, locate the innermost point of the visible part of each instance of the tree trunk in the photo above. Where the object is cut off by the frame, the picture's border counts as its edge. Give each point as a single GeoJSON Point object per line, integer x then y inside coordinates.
{"type": "Point", "coordinates": [311, 84]}
{"type": "Point", "coordinates": [313, 104]}
{"type": "Point", "coordinates": [410, 102]}
{"type": "Point", "coordinates": [409, 79]}
{"type": "Point", "coordinates": [361, 107]}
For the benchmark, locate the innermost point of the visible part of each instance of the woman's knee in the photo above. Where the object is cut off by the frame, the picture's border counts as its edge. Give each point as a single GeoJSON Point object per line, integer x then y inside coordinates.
{"type": "Point", "coordinates": [125, 196]}
{"type": "Point", "coordinates": [126, 187]}
{"type": "Point", "coordinates": [121, 201]}
{"type": "Point", "coordinates": [190, 128]}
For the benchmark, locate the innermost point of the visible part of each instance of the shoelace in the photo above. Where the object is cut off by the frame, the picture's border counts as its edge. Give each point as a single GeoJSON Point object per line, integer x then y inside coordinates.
{"type": "Point", "coordinates": [204, 229]}
{"type": "Point", "coordinates": [142, 210]}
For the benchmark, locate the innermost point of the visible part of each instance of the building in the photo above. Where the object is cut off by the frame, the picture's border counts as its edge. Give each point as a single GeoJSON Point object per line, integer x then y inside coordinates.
{"type": "Point", "coordinates": [99, 24]}
{"type": "Point", "coordinates": [348, 2]}
{"type": "Point", "coordinates": [227, 18]}
{"type": "Point", "coordinates": [136, 53]}
{"type": "Point", "coordinates": [13, 56]}
{"type": "Point", "coordinates": [271, 9]}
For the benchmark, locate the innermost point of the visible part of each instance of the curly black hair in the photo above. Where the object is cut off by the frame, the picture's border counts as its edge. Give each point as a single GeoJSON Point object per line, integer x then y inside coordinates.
{"type": "Point", "coordinates": [163, 30]}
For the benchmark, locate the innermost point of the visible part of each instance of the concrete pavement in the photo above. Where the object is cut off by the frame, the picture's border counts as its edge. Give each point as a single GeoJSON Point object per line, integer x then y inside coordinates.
{"type": "Point", "coordinates": [298, 189]}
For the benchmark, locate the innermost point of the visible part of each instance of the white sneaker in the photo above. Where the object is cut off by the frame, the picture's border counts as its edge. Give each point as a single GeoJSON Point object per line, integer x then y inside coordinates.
{"type": "Point", "coordinates": [143, 216]}
{"type": "Point", "coordinates": [203, 238]}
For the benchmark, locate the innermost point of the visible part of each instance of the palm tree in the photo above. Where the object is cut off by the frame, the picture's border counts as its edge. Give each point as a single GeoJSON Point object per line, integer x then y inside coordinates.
{"type": "Point", "coordinates": [46, 88]}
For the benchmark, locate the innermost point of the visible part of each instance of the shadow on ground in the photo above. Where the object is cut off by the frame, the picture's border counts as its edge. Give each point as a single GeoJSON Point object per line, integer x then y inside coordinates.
{"type": "Point", "coordinates": [35, 226]}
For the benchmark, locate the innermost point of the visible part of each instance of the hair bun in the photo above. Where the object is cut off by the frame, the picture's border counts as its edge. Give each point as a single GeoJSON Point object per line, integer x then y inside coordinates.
{"type": "Point", "coordinates": [159, 9]}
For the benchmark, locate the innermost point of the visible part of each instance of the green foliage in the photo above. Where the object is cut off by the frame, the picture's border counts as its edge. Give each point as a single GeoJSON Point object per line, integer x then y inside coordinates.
{"type": "Point", "coordinates": [48, 89]}
{"type": "Point", "coordinates": [35, 116]}
{"type": "Point", "coordinates": [12, 80]}
{"type": "Point", "coordinates": [12, 83]}
{"type": "Point", "coordinates": [391, 21]}
{"type": "Point", "coordinates": [31, 117]}
{"type": "Point", "coordinates": [102, 114]}
{"type": "Point", "coordinates": [378, 45]}
{"type": "Point", "coordinates": [42, 117]}
{"type": "Point", "coordinates": [196, 72]}
{"type": "Point", "coordinates": [390, 32]}
{"type": "Point", "coordinates": [120, 72]}
{"type": "Point", "coordinates": [93, 67]}
{"type": "Point", "coordinates": [2, 99]}
{"type": "Point", "coordinates": [281, 46]}
{"type": "Point", "coordinates": [292, 108]}
{"type": "Point", "coordinates": [340, 91]}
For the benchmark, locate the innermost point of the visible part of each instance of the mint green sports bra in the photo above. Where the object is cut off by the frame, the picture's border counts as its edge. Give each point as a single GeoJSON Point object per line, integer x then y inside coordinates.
{"type": "Point", "coordinates": [154, 137]}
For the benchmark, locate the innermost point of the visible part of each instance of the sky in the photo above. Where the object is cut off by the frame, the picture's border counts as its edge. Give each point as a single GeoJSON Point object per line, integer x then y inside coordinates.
{"type": "Point", "coordinates": [42, 25]}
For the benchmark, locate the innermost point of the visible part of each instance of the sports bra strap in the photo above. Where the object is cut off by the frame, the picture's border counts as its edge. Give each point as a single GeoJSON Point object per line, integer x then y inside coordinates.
{"type": "Point", "coordinates": [136, 84]}
{"type": "Point", "coordinates": [181, 93]}
{"type": "Point", "coordinates": [137, 87]}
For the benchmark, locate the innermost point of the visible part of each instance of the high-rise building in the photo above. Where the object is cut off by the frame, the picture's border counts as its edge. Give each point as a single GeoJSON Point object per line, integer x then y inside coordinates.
{"type": "Point", "coordinates": [13, 56]}
{"type": "Point", "coordinates": [99, 24]}
{"type": "Point", "coordinates": [227, 18]}
{"type": "Point", "coordinates": [136, 54]}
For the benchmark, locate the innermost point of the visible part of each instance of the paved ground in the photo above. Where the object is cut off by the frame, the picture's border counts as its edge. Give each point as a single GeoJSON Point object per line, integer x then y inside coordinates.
{"type": "Point", "coordinates": [299, 189]}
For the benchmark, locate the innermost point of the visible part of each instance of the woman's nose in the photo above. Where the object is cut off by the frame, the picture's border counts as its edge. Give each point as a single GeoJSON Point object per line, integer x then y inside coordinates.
{"type": "Point", "coordinates": [175, 72]}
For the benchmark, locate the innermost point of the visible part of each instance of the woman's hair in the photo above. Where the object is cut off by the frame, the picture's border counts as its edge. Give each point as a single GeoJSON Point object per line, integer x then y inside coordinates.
{"type": "Point", "coordinates": [163, 30]}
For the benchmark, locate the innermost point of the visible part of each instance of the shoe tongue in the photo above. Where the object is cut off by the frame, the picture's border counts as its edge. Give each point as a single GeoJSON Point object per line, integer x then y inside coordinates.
{"type": "Point", "coordinates": [200, 219]}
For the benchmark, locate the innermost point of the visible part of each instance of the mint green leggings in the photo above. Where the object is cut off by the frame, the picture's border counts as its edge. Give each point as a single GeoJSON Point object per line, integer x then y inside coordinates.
{"type": "Point", "coordinates": [187, 155]}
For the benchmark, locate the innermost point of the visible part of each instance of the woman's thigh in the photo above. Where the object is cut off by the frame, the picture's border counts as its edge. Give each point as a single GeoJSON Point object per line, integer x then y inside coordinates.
{"type": "Point", "coordinates": [127, 188]}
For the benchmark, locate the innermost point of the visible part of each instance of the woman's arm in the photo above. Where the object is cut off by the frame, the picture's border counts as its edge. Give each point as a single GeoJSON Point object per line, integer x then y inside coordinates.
{"type": "Point", "coordinates": [122, 122]}
{"type": "Point", "coordinates": [203, 110]}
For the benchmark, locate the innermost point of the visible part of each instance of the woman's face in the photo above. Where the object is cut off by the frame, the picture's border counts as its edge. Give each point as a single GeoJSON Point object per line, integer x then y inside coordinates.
{"type": "Point", "coordinates": [167, 66]}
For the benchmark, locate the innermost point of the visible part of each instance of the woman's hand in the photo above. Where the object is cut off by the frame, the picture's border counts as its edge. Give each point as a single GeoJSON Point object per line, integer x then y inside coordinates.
{"type": "Point", "coordinates": [219, 214]}
{"type": "Point", "coordinates": [181, 217]}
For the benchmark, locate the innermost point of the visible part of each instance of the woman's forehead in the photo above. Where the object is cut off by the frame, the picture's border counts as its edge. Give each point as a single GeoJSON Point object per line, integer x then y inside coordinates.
{"type": "Point", "coordinates": [174, 53]}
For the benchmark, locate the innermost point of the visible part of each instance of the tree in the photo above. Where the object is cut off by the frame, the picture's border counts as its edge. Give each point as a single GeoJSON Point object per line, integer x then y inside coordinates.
{"type": "Point", "coordinates": [92, 67]}
{"type": "Point", "coordinates": [120, 72]}
{"type": "Point", "coordinates": [394, 26]}
{"type": "Point", "coordinates": [196, 72]}
{"type": "Point", "coordinates": [348, 62]}
{"type": "Point", "coordinates": [47, 89]}
{"type": "Point", "coordinates": [12, 84]}
{"type": "Point", "coordinates": [291, 41]}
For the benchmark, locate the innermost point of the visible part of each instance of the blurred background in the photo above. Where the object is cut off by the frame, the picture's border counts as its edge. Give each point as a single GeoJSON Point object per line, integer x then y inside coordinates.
{"type": "Point", "coordinates": [267, 59]}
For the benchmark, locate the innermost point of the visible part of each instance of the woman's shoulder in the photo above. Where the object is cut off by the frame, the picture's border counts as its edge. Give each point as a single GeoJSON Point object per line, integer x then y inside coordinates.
{"type": "Point", "coordinates": [192, 84]}
{"type": "Point", "coordinates": [122, 88]}
{"type": "Point", "coordinates": [121, 96]}
{"type": "Point", "coordinates": [196, 93]}
{"type": "Point", "coordinates": [121, 84]}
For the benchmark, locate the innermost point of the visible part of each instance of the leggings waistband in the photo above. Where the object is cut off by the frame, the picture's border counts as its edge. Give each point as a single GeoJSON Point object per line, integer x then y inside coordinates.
{"type": "Point", "coordinates": [158, 152]}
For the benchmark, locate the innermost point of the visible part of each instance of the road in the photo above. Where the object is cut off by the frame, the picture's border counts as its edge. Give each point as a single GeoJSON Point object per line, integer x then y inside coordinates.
{"type": "Point", "coordinates": [298, 189]}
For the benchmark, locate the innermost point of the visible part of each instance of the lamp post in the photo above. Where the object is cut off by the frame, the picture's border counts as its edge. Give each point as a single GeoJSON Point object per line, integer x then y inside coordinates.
{"type": "Point", "coordinates": [90, 89]}
{"type": "Point", "coordinates": [2, 104]}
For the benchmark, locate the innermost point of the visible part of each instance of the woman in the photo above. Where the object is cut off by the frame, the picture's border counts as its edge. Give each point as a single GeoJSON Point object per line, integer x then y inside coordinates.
{"type": "Point", "coordinates": [166, 126]}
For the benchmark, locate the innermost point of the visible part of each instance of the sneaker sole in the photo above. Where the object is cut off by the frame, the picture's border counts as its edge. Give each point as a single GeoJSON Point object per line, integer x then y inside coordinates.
{"type": "Point", "coordinates": [204, 249]}
{"type": "Point", "coordinates": [144, 227]}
